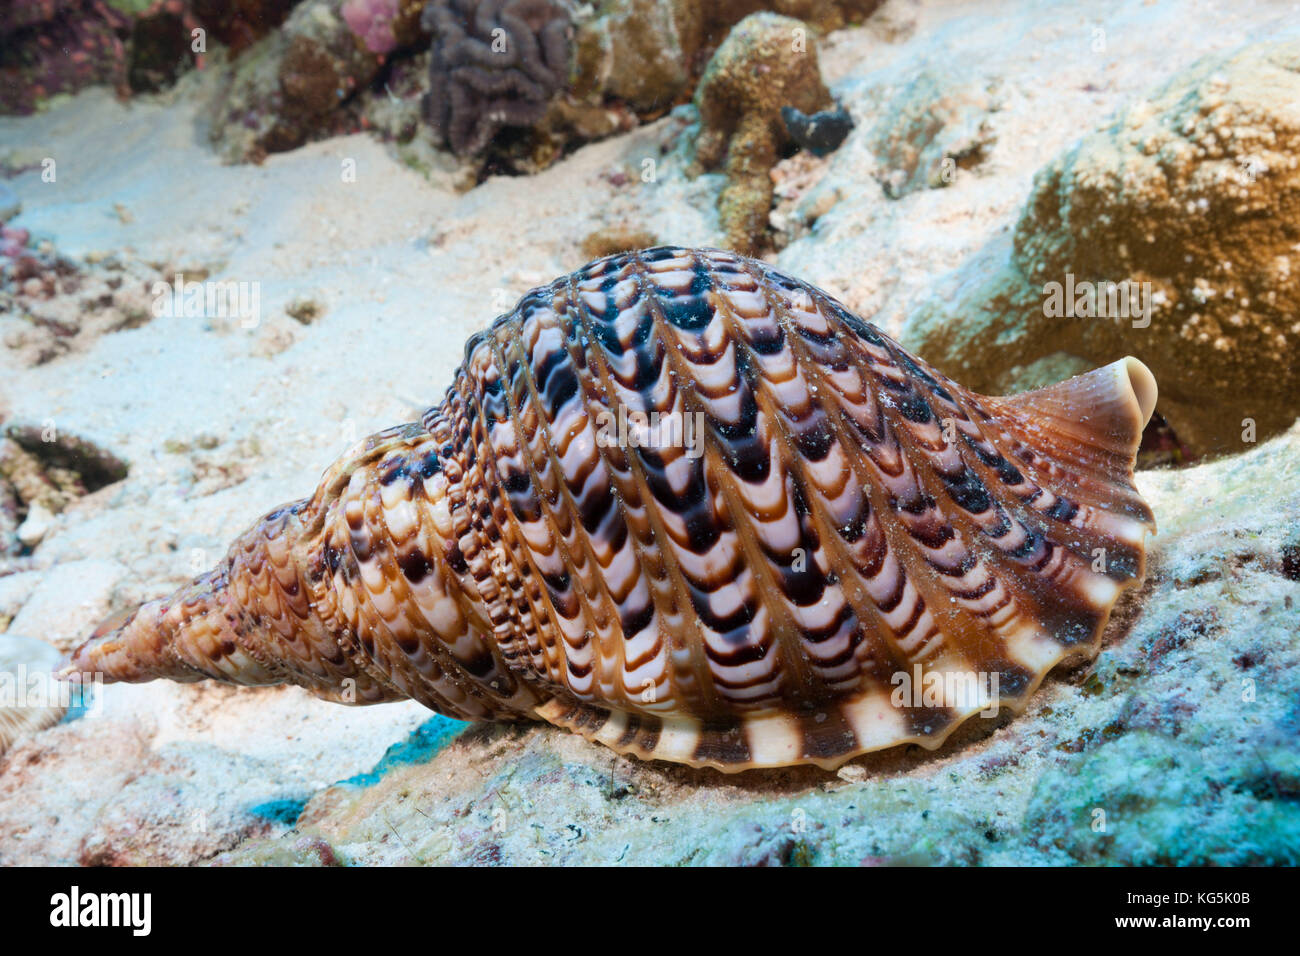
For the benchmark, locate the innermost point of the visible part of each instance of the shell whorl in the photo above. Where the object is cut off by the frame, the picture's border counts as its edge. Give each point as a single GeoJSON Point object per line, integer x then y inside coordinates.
{"type": "Point", "coordinates": [742, 593]}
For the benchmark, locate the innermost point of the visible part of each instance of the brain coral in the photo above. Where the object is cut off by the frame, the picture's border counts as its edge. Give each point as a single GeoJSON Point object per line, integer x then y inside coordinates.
{"type": "Point", "coordinates": [495, 63]}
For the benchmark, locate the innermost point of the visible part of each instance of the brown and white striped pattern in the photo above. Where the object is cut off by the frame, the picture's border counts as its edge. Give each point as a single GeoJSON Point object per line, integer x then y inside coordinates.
{"type": "Point", "coordinates": [854, 515]}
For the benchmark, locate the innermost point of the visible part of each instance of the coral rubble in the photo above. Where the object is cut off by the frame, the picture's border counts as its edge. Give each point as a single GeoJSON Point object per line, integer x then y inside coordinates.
{"type": "Point", "coordinates": [767, 62]}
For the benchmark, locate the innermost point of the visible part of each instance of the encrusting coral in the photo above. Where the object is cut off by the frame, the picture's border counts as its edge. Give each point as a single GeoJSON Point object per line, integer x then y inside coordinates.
{"type": "Point", "coordinates": [384, 25]}
{"type": "Point", "coordinates": [58, 46]}
{"type": "Point", "coordinates": [495, 63]}
{"type": "Point", "coordinates": [767, 62]}
{"type": "Point", "coordinates": [1197, 192]}
{"type": "Point", "coordinates": [289, 86]}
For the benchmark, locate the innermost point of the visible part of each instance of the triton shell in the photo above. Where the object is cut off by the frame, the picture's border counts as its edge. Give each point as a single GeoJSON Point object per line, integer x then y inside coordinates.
{"type": "Point", "coordinates": [819, 546]}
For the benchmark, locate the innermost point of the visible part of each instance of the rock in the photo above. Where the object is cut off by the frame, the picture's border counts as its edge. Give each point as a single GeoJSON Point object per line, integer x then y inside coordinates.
{"type": "Point", "coordinates": [635, 51]}
{"type": "Point", "coordinates": [936, 123]}
{"type": "Point", "coordinates": [1179, 215]}
{"type": "Point", "coordinates": [52, 783]}
{"type": "Point", "coordinates": [637, 59]}
{"type": "Point", "coordinates": [15, 587]}
{"type": "Point", "coordinates": [644, 52]}
{"type": "Point", "coordinates": [767, 62]}
{"type": "Point", "coordinates": [187, 804]}
{"type": "Point", "coordinates": [69, 600]}
{"type": "Point", "coordinates": [287, 88]}
{"type": "Point", "coordinates": [177, 774]}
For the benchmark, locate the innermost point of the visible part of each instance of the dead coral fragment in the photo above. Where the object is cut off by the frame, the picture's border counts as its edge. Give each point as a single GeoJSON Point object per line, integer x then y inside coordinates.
{"type": "Point", "coordinates": [1170, 233]}
{"type": "Point", "coordinates": [766, 62]}
{"type": "Point", "coordinates": [24, 707]}
{"type": "Point", "coordinates": [496, 63]}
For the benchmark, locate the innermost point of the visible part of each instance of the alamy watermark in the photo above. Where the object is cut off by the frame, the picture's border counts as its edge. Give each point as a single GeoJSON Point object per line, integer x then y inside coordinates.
{"type": "Point", "coordinates": [1128, 299]}
{"type": "Point", "coordinates": [209, 299]}
{"type": "Point", "coordinates": [133, 911]}
{"type": "Point", "coordinates": [635, 429]}
{"type": "Point", "coordinates": [960, 690]}
{"type": "Point", "coordinates": [39, 689]}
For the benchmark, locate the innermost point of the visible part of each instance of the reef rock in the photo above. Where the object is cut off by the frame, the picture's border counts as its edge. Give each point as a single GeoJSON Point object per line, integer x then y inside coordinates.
{"type": "Point", "coordinates": [58, 46]}
{"type": "Point", "coordinates": [936, 123]}
{"type": "Point", "coordinates": [644, 53]}
{"type": "Point", "coordinates": [767, 62]}
{"type": "Point", "coordinates": [288, 87]}
{"type": "Point", "coordinates": [1170, 234]}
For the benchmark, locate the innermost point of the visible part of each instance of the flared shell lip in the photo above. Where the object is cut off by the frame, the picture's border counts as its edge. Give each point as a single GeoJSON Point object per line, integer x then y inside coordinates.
{"type": "Point", "coordinates": [1143, 384]}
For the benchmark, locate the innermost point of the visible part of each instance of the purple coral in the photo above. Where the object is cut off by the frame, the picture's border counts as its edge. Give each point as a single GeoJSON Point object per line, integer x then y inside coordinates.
{"type": "Point", "coordinates": [372, 22]}
{"type": "Point", "coordinates": [496, 63]}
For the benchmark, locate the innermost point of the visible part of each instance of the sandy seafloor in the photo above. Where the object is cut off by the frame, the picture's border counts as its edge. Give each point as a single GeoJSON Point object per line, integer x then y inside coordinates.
{"type": "Point", "coordinates": [406, 268]}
